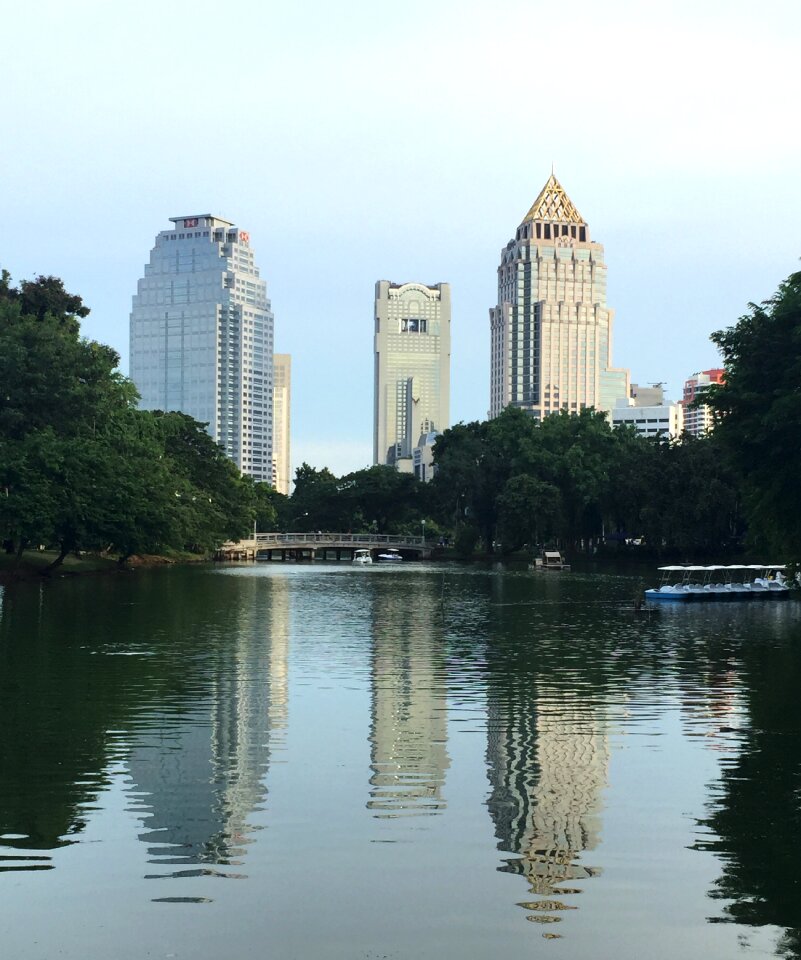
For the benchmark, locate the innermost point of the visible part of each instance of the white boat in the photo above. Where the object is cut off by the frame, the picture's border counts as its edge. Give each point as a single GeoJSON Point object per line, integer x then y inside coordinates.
{"type": "Point", "coordinates": [737, 581]}
{"type": "Point", "coordinates": [390, 556]}
{"type": "Point", "coordinates": [551, 560]}
{"type": "Point", "coordinates": [362, 556]}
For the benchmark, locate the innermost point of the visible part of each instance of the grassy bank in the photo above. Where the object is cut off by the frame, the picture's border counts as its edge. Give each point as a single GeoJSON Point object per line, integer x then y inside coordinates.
{"type": "Point", "coordinates": [34, 563]}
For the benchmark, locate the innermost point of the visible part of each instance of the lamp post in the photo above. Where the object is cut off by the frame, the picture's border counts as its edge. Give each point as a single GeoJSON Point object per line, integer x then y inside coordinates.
{"type": "Point", "coordinates": [300, 516]}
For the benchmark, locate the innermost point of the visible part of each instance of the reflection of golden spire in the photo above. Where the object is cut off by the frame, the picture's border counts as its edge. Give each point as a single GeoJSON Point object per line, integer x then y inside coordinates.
{"type": "Point", "coordinates": [573, 757]}
{"type": "Point", "coordinates": [553, 204]}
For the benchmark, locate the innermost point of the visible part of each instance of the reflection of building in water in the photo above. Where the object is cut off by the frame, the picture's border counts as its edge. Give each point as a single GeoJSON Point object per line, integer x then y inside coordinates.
{"type": "Point", "coordinates": [408, 734]}
{"type": "Point", "coordinates": [205, 774]}
{"type": "Point", "coordinates": [548, 757]}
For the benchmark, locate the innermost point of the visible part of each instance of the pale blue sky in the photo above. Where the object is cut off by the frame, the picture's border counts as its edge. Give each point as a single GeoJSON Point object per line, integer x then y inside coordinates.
{"type": "Point", "coordinates": [358, 141]}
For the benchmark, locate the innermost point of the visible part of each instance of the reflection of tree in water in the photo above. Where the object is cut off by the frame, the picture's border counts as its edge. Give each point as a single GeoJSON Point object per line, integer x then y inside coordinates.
{"type": "Point", "coordinates": [88, 667]}
{"type": "Point", "coordinates": [756, 814]}
{"type": "Point", "coordinates": [408, 731]}
{"type": "Point", "coordinates": [77, 662]}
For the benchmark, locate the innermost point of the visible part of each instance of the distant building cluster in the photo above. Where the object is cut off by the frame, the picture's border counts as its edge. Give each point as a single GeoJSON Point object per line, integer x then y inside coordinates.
{"type": "Point", "coordinates": [202, 332]}
{"type": "Point", "coordinates": [550, 345]}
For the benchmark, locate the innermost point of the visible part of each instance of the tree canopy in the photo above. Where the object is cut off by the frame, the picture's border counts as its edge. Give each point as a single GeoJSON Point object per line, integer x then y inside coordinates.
{"type": "Point", "coordinates": [573, 480]}
{"type": "Point", "coordinates": [80, 466]}
{"type": "Point", "coordinates": [758, 413]}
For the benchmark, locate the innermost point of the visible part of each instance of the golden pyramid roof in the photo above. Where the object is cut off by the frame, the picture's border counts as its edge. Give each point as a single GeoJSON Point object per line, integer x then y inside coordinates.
{"type": "Point", "coordinates": [553, 204]}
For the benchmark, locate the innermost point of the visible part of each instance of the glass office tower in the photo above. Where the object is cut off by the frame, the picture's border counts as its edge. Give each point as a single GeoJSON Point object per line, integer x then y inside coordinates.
{"type": "Point", "coordinates": [202, 337]}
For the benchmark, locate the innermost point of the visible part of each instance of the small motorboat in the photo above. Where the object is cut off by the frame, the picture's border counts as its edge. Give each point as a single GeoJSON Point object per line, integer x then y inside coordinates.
{"type": "Point", "coordinates": [362, 556]}
{"type": "Point", "coordinates": [390, 556]}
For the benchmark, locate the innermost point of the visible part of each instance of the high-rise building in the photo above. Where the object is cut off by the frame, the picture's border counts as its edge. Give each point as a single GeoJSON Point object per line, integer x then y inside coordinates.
{"type": "Point", "coordinates": [202, 337]}
{"type": "Point", "coordinates": [698, 420]}
{"type": "Point", "coordinates": [551, 331]}
{"type": "Point", "coordinates": [282, 377]}
{"type": "Point", "coordinates": [412, 367]}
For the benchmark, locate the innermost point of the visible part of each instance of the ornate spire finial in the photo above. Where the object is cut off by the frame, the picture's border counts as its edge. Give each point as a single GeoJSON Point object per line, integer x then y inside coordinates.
{"type": "Point", "coordinates": [554, 205]}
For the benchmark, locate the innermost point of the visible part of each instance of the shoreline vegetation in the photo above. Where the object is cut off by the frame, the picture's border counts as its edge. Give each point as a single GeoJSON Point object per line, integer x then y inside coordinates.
{"type": "Point", "coordinates": [101, 484]}
{"type": "Point", "coordinates": [37, 565]}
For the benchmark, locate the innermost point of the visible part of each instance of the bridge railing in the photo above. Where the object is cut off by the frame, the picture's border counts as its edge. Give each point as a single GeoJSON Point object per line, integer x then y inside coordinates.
{"type": "Point", "coordinates": [266, 540]}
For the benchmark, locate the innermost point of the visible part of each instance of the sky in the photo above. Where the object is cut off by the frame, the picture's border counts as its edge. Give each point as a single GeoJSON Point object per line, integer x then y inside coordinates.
{"type": "Point", "coordinates": [364, 141]}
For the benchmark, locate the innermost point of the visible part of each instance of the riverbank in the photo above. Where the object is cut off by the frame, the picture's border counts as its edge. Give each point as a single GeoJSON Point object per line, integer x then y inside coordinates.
{"type": "Point", "coordinates": [34, 563]}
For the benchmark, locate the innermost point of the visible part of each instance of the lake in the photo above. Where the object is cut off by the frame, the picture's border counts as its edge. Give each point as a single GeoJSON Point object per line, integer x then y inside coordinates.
{"type": "Point", "coordinates": [421, 761]}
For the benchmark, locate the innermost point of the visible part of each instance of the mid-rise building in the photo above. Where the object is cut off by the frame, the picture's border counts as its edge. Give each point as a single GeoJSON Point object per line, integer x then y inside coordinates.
{"type": "Point", "coordinates": [282, 382]}
{"type": "Point", "coordinates": [423, 457]}
{"type": "Point", "coordinates": [551, 331]}
{"type": "Point", "coordinates": [412, 368]}
{"type": "Point", "coordinates": [202, 337]}
{"type": "Point", "coordinates": [664, 419]}
{"type": "Point", "coordinates": [698, 420]}
{"type": "Point", "coordinates": [648, 412]}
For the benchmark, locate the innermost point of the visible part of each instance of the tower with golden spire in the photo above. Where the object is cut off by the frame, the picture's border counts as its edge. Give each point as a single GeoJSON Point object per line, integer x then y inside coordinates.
{"type": "Point", "coordinates": [551, 331]}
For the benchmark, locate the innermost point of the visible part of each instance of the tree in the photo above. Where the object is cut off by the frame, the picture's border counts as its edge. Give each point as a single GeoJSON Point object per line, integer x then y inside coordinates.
{"type": "Point", "coordinates": [80, 466]}
{"type": "Point", "coordinates": [380, 497]}
{"type": "Point", "coordinates": [758, 413]}
{"type": "Point", "coordinates": [270, 507]}
{"type": "Point", "coordinates": [529, 511]}
{"type": "Point", "coordinates": [315, 503]}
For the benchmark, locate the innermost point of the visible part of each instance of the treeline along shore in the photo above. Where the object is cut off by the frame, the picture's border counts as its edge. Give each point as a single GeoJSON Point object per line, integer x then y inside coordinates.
{"type": "Point", "coordinates": [82, 469]}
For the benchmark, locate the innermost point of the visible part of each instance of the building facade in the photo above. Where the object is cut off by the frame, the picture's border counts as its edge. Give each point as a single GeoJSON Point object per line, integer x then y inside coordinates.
{"type": "Point", "coordinates": [698, 420]}
{"type": "Point", "coordinates": [412, 368]}
{"type": "Point", "coordinates": [202, 337]}
{"type": "Point", "coordinates": [659, 420]}
{"type": "Point", "coordinates": [282, 383]}
{"type": "Point", "coordinates": [551, 331]}
{"type": "Point", "coordinates": [423, 457]}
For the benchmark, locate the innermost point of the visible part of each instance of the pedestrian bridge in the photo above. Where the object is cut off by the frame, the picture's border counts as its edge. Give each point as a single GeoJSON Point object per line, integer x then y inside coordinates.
{"type": "Point", "coordinates": [319, 545]}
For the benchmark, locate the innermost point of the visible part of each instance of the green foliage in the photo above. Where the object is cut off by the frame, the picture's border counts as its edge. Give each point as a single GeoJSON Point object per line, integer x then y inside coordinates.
{"type": "Point", "coordinates": [758, 411]}
{"type": "Point", "coordinates": [315, 502]}
{"type": "Point", "coordinates": [80, 466]}
{"type": "Point", "coordinates": [466, 540]}
{"type": "Point", "coordinates": [269, 506]}
{"type": "Point", "coordinates": [572, 479]}
{"type": "Point", "coordinates": [377, 499]}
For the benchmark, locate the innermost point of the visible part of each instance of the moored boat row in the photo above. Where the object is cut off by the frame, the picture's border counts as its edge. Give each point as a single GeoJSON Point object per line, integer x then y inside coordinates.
{"type": "Point", "coordinates": [749, 581]}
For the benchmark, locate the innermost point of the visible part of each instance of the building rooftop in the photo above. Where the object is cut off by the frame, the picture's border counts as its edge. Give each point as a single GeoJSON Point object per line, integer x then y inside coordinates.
{"type": "Point", "coordinates": [554, 205]}
{"type": "Point", "coordinates": [202, 216]}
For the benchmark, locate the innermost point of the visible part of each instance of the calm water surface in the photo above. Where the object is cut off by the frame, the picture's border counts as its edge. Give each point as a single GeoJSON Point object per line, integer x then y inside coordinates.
{"type": "Point", "coordinates": [422, 762]}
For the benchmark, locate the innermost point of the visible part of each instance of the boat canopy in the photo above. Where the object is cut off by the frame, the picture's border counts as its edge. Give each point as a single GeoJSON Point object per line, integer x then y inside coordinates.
{"type": "Point", "coordinates": [732, 566]}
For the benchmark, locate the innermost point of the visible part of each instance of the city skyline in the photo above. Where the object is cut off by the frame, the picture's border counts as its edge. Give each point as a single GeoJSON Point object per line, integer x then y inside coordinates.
{"type": "Point", "coordinates": [333, 198]}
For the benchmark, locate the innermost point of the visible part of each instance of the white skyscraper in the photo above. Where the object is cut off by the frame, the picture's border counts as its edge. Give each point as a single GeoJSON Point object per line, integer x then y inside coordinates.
{"type": "Point", "coordinates": [202, 337]}
{"type": "Point", "coordinates": [551, 329]}
{"type": "Point", "coordinates": [412, 367]}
